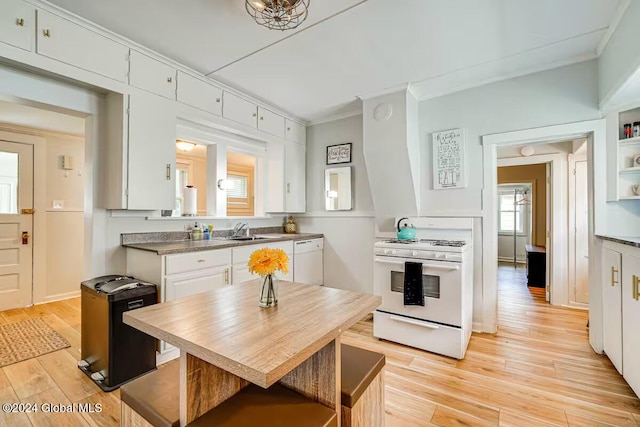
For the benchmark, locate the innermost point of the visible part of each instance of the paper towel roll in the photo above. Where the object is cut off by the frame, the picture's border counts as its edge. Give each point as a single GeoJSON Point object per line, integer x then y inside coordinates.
{"type": "Point", "coordinates": [190, 201]}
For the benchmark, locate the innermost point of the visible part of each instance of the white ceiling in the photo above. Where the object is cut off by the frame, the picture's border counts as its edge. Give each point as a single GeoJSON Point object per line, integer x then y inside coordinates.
{"type": "Point", "coordinates": [37, 118]}
{"type": "Point", "coordinates": [351, 48]}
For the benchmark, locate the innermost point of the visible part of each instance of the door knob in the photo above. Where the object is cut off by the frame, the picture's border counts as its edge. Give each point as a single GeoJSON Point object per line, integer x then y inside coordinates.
{"type": "Point", "coordinates": [25, 237]}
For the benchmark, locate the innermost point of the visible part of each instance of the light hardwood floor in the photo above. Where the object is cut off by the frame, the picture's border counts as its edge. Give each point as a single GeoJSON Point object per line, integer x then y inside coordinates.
{"type": "Point", "coordinates": [538, 370]}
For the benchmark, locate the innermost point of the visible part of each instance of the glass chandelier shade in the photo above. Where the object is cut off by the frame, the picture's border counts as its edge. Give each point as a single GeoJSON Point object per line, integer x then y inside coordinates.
{"type": "Point", "coordinates": [278, 14]}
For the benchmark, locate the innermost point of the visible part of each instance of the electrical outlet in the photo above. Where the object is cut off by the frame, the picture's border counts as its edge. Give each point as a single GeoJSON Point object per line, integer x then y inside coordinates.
{"type": "Point", "coordinates": [58, 204]}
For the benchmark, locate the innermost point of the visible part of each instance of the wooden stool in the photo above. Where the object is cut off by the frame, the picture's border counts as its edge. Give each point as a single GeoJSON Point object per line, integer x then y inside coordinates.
{"type": "Point", "coordinates": [362, 387]}
{"type": "Point", "coordinates": [153, 399]}
{"type": "Point", "coordinates": [275, 406]}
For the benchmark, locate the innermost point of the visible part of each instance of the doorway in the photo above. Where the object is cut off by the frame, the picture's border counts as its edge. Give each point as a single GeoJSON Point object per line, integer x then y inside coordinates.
{"type": "Point", "coordinates": [16, 224]}
{"type": "Point", "coordinates": [594, 132]}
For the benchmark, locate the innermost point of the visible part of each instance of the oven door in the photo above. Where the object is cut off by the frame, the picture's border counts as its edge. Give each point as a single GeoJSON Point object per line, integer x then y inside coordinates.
{"type": "Point", "coordinates": [441, 282]}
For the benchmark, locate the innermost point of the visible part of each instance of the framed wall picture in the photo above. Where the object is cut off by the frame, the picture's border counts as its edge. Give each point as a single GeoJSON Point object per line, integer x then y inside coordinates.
{"type": "Point", "coordinates": [448, 159]}
{"type": "Point", "coordinates": [340, 153]}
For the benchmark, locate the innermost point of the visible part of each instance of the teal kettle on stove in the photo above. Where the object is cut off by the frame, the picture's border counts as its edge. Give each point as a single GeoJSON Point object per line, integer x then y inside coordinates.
{"type": "Point", "coordinates": [406, 232]}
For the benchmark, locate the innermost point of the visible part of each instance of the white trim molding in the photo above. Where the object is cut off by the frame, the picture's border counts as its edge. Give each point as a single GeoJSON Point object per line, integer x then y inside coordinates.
{"type": "Point", "coordinates": [595, 130]}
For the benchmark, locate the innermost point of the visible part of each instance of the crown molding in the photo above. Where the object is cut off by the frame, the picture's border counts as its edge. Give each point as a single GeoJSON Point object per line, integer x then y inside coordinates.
{"type": "Point", "coordinates": [334, 117]}
{"type": "Point", "coordinates": [393, 89]}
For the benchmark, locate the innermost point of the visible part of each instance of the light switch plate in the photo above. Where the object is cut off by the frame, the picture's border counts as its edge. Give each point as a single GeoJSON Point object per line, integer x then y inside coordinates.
{"type": "Point", "coordinates": [58, 204]}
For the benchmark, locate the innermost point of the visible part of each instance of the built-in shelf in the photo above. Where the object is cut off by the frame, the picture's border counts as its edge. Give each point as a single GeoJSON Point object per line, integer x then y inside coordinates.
{"type": "Point", "coordinates": [630, 170]}
{"type": "Point", "coordinates": [629, 141]}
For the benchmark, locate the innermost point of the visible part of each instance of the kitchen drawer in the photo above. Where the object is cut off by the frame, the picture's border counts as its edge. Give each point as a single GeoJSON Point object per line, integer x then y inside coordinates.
{"type": "Point", "coordinates": [241, 254]}
{"type": "Point", "coordinates": [441, 339]}
{"type": "Point", "coordinates": [241, 273]}
{"type": "Point", "coordinates": [151, 75]}
{"type": "Point", "coordinates": [201, 260]}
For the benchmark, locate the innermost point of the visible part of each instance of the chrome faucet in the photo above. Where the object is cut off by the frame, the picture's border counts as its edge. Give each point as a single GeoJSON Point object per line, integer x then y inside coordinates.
{"type": "Point", "coordinates": [241, 228]}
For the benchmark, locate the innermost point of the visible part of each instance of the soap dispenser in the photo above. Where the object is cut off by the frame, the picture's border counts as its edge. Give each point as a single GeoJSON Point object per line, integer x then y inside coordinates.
{"type": "Point", "coordinates": [196, 233]}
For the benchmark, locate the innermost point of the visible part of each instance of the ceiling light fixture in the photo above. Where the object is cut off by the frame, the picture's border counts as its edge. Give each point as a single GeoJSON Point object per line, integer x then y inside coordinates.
{"type": "Point", "coordinates": [278, 14]}
{"type": "Point", "coordinates": [185, 146]}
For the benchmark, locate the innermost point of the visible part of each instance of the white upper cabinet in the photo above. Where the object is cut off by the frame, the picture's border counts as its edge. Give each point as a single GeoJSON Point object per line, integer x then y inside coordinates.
{"type": "Point", "coordinates": [274, 187]}
{"type": "Point", "coordinates": [270, 122]}
{"type": "Point", "coordinates": [295, 131]}
{"type": "Point", "coordinates": [295, 179]}
{"type": "Point", "coordinates": [239, 110]}
{"type": "Point", "coordinates": [152, 153]}
{"type": "Point", "coordinates": [60, 39]}
{"type": "Point", "coordinates": [17, 23]}
{"type": "Point", "coordinates": [199, 94]}
{"type": "Point", "coordinates": [152, 75]}
{"type": "Point", "coordinates": [285, 190]}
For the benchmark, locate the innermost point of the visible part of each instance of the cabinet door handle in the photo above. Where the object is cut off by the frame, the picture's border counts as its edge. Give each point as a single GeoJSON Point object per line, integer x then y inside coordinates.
{"type": "Point", "coordinates": [200, 260]}
{"type": "Point", "coordinates": [261, 117]}
{"type": "Point", "coordinates": [634, 288]}
{"type": "Point", "coordinates": [288, 129]}
{"type": "Point", "coordinates": [255, 114]}
{"type": "Point", "coordinates": [288, 187]}
{"type": "Point", "coordinates": [169, 79]}
{"type": "Point", "coordinates": [46, 33]}
{"type": "Point", "coordinates": [20, 22]}
{"type": "Point", "coordinates": [614, 271]}
{"type": "Point", "coordinates": [218, 100]}
{"type": "Point", "coordinates": [226, 276]}
{"type": "Point", "coordinates": [168, 171]}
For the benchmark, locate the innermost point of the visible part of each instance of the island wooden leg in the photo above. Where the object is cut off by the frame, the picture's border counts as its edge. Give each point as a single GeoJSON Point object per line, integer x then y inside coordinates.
{"type": "Point", "coordinates": [203, 387]}
{"type": "Point", "coordinates": [318, 377]}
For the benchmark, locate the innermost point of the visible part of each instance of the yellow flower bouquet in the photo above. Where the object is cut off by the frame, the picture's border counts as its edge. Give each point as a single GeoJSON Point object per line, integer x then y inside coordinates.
{"type": "Point", "coordinates": [266, 262]}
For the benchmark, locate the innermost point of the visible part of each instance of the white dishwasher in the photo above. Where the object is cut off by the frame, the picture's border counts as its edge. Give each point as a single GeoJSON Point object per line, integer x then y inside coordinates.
{"type": "Point", "coordinates": [308, 264]}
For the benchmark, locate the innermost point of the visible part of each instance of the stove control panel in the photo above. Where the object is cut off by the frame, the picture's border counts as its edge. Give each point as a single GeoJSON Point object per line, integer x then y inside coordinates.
{"type": "Point", "coordinates": [418, 255]}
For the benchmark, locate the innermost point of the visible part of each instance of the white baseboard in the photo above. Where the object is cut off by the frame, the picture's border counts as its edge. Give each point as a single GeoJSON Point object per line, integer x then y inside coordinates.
{"type": "Point", "coordinates": [507, 259]}
{"type": "Point", "coordinates": [59, 297]}
{"type": "Point", "coordinates": [477, 327]}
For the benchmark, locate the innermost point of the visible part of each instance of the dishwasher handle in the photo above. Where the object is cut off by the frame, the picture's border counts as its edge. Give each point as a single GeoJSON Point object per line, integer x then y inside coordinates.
{"type": "Point", "coordinates": [309, 245]}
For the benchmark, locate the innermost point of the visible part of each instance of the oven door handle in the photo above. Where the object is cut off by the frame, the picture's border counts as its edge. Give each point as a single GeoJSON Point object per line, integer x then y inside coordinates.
{"type": "Point", "coordinates": [435, 266]}
{"type": "Point", "coordinates": [413, 322]}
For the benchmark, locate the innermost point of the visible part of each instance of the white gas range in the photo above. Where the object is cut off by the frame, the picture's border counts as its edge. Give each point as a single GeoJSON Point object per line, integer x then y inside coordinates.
{"type": "Point", "coordinates": [443, 325]}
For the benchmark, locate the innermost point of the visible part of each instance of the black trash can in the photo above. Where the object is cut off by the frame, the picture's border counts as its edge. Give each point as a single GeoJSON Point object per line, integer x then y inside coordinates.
{"type": "Point", "coordinates": [114, 353]}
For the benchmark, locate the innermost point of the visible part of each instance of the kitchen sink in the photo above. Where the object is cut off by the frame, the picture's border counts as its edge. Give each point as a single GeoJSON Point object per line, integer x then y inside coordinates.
{"type": "Point", "coordinates": [246, 238]}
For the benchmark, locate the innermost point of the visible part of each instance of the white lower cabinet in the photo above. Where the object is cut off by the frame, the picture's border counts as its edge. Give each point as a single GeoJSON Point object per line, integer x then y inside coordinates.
{"type": "Point", "coordinates": [631, 320]}
{"type": "Point", "coordinates": [612, 307]}
{"type": "Point", "coordinates": [241, 259]}
{"type": "Point", "coordinates": [184, 285]}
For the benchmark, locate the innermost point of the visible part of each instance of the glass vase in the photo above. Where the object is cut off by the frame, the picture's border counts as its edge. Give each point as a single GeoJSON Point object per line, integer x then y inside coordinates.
{"type": "Point", "coordinates": [269, 291]}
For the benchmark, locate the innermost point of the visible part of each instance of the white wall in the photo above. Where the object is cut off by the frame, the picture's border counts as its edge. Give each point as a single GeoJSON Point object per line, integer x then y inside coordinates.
{"type": "Point", "coordinates": [349, 235]}
{"type": "Point", "coordinates": [563, 95]}
{"type": "Point", "coordinates": [64, 227]}
{"type": "Point", "coordinates": [621, 56]}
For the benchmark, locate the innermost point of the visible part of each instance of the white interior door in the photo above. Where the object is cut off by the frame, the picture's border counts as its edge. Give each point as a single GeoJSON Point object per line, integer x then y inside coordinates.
{"type": "Point", "coordinates": [16, 228]}
{"type": "Point", "coordinates": [549, 262]}
{"type": "Point", "coordinates": [581, 212]}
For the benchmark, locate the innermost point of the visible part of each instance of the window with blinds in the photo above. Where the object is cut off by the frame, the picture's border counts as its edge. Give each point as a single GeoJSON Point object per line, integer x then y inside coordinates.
{"type": "Point", "coordinates": [238, 187]}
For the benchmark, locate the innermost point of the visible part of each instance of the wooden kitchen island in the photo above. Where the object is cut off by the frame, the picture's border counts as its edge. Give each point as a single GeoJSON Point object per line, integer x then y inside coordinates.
{"type": "Point", "coordinates": [227, 341]}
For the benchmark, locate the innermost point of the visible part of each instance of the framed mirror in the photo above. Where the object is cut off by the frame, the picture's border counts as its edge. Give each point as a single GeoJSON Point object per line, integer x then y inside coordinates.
{"type": "Point", "coordinates": [337, 189]}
